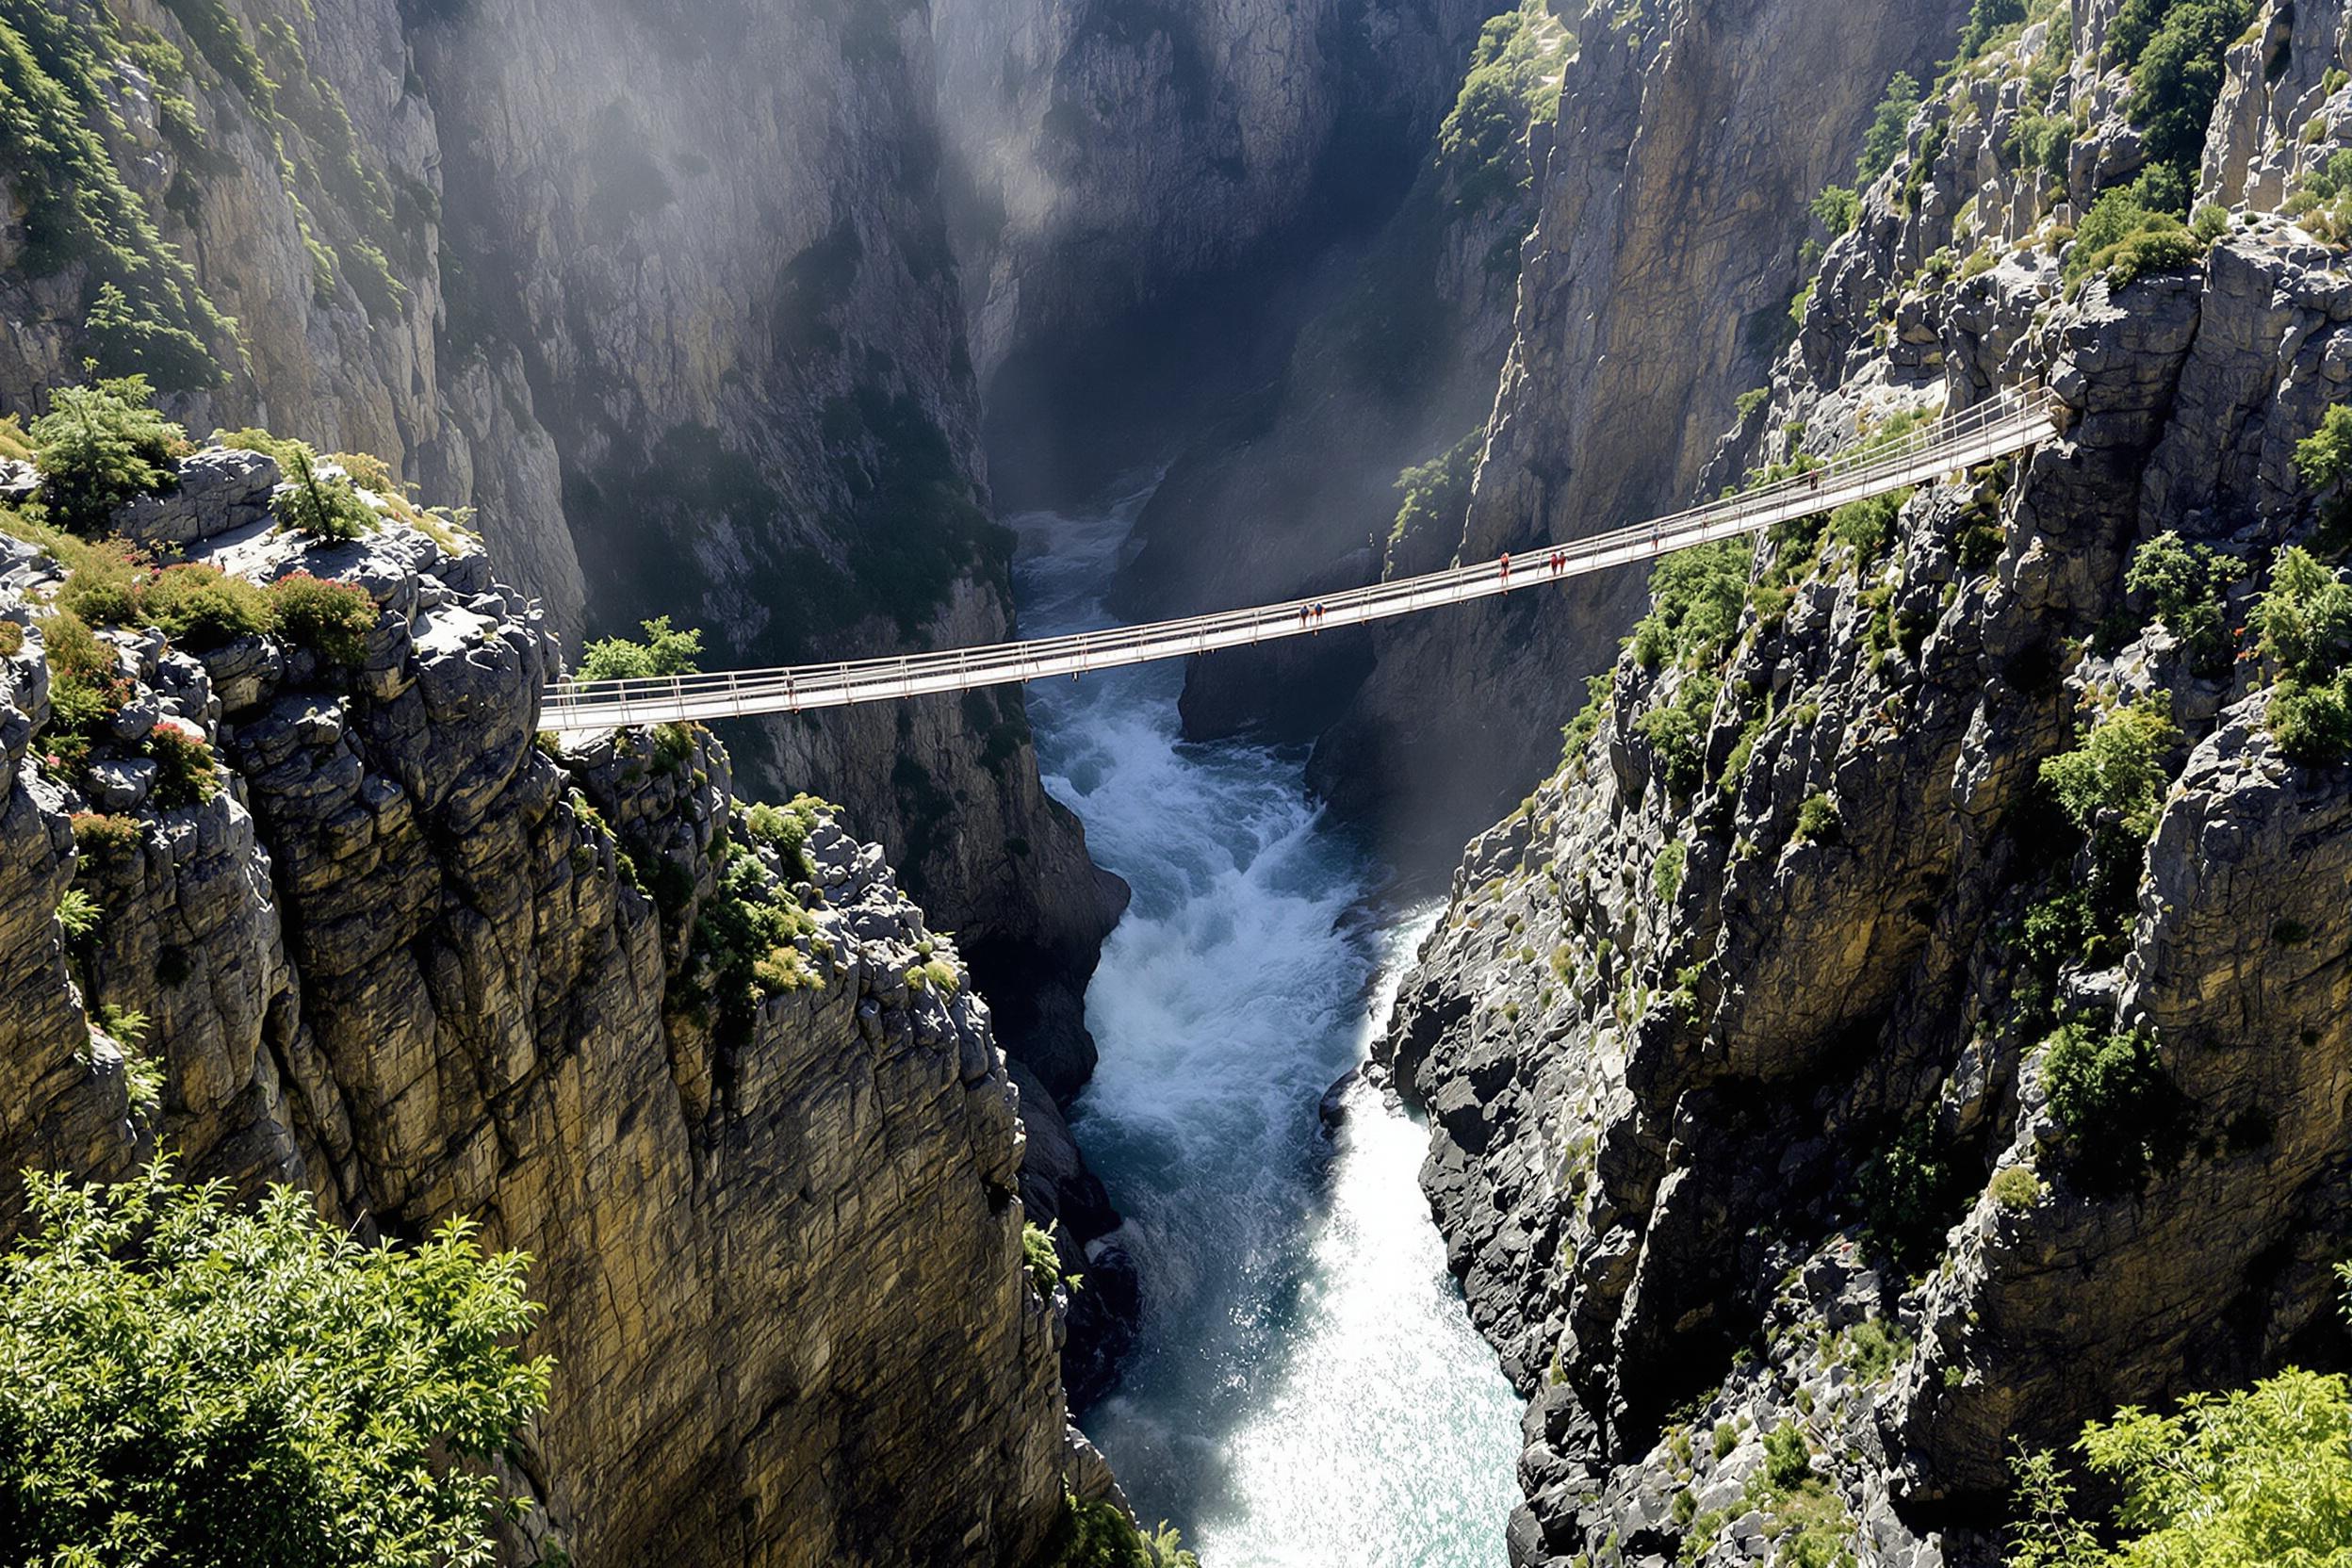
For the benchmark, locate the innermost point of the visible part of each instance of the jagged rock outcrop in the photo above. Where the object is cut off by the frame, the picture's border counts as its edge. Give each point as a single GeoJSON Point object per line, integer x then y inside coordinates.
{"type": "Point", "coordinates": [1672, 205]}
{"type": "Point", "coordinates": [664, 292]}
{"type": "Point", "coordinates": [356, 925]}
{"type": "Point", "coordinates": [1753, 1044]}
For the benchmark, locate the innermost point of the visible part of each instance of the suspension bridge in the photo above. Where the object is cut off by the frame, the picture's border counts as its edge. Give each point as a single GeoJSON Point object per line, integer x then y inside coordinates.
{"type": "Point", "coordinates": [2002, 427]}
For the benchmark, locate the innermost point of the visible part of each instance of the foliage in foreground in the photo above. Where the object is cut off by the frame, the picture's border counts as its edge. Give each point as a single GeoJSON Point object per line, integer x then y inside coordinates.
{"type": "Point", "coordinates": [98, 447]}
{"type": "Point", "coordinates": [1098, 1535]}
{"type": "Point", "coordinates": [186, 1382]}
{"type": "Point", "coordinates": [2250, 1478]}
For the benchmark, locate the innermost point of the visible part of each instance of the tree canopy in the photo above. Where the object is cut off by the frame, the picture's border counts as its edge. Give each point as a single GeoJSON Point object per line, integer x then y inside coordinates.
{"type": "Point", "coordinates": [189, 1382]}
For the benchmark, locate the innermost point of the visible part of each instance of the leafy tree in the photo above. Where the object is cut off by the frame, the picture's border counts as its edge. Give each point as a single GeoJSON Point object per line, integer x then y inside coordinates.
{"type": "Point", "coordinates": [2125, 237]}
{"type": "Point", "coordinates": [1437, 493]}
{"type": "Point", "coordinates": [1985, 18]}
{"type": "Point", "coordinates": [665, 652]}
{"type": "Point", "coordinates": [1890, 126]}
{"type": "Point", "coordinates": [2303, 622]}
{"type": "Point", "coordinates": [99, 446]}
{"type": "Point", "coordinates": [2185, 582]}
{"type": "Point", "coordinates": [2304, 619]}
{"type": "Point", "coordinates": [2254, 1478]}
{"type": "Point", "coordinates": [2116, 775]}
{"type": "Point", "coordinates": [2175, 50]}
{"type": "Point", "coordinates": [186, 1382]}
{"type": "Point", "coordinates": [1835, 209]}
{"type": "Point", "coordinates": [1695, 600]}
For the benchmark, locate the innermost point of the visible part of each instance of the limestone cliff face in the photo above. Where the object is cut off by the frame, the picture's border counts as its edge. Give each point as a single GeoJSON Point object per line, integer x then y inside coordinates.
{"type": "Point", "coordinates": [1742, 1045]}
{"type": "Point", "coordinates": [664, 292]}
{"type": "Point", "coordinates": [412, 959]}
{"type": "Point", "coordinates": [1672, 205]}
{"type": "Point", "coordinates": [1294, 491]}
{"type": "Point", "coordinates": [1106, 151]}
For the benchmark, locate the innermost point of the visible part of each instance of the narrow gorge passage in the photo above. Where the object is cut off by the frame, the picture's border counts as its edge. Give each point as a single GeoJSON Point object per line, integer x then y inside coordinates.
{"type": "Point", "coordinates": [1307, 1389]}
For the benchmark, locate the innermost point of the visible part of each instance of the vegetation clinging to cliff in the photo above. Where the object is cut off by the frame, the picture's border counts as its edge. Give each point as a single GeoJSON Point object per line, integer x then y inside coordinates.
{"type": "Point", "coordinates": [2246, 1478]}
{"type": "Point", "coordinates": [186, 1382]}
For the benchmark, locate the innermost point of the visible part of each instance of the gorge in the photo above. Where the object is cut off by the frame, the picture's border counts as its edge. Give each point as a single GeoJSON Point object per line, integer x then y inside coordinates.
{"type": "Point", "coordinates": [1891, 1016]}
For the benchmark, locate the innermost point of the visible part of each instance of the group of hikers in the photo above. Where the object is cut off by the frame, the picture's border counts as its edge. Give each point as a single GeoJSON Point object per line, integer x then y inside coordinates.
{"type": "Point", "coordinates": [1310, 615]}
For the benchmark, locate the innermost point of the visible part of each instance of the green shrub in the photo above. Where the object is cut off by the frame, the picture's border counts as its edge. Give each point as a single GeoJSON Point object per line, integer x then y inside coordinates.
{"type": "Point", "coordinates": [2124, 238]}
{"type": "Point", "coordinates": [196, 1382]}
{"type": "Point", "coordinates": [1890, 126]}
{"type": "Point", "coordinates": [1985, 19]}
{"type": "Point", "coordinates": [746, 935]}
{"type": "Point", "coordinates": [104, 840]}
{"type": "Point", "coordinates": [665, 652]}
{"type": "Point", "coordinates": [78, 914]}
{"type": "Point", "coordinates": [100, 446]}
{"type": "Point", "coordinates": [1098, 1535]}
{"type": "Point", "coordinates": [323, 506]}
{"type": "Point", "coordinates": [1676, 732]}
{"type": "Point", "coordinates": [2185, 584]}
{"type": "Point", "coordinates": [330, 618]}
{"type": "Point", "coordinates": [2016, 1187]}
{"type": "Point", "coordinates": [11, 639]}
{"type": "Point", "coordinates": [2304, 619]}
{"type": "Point", "coordinates": [1817, 821]}
{"type": "Point", "coordinates": [184, 771]}
{"type": "Point", "coordinates": [1837, 208]}
{"type": "Point", "coordinates": [1866, 526]}
{"type": "Point", "coordinates": [1910, 1192]}
{"type": "Point", "coordinates": [1695, 600]}
{"type": "Point", "coordinates": [1787, 1461]}
{"type": "Point", "coordinates": [2303, 624]}
{"type": "Point", "coordinates": [2117, 776]}
{"type": "Point", "coordinates": [1726, 1438]}
{"type": "Point", "coordinates": [1872, 1349]}
{"type": "Point", "coordinates": [1577, 735]}
{"type": "Point", "coordinates": [786, 829]}
{"type": "Point", "coordinates": [1437, 493]}
{"type": "Point", "coordinates": [2109, 1092]}
{"type": "Point", "coordinates": [2244, 1479]}
{"type": "Point", "coordinates": [2174, 50]}
{"type": "Point", "coordinates": [1666, 871]}
{"type": "Point", "coordinates": [1041, 1257]}
{"type": "Point", "coordinates": [201, 608]}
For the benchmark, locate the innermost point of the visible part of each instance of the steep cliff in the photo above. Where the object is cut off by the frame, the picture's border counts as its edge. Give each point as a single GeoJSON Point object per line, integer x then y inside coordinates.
{"type": "Point", "coordinates": [1912, 1021]}
{"type": "Point", "coordinates": [1107, 152]}
{"type": "Point", "coordinates": [296, 889]}
{"type": "Point", "coordinates": [664, 292]}
{"type": "Point", "coordinates": [1296, 488]}
{"type": "Point", "coordinates": [1672, 207]}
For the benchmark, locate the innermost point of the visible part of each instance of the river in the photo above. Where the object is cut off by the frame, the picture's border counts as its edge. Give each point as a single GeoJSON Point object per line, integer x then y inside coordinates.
{"type": "Point", "coordinates": [1307, 1392]}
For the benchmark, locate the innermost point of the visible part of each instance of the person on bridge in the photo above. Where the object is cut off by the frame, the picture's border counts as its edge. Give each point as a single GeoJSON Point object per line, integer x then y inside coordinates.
{"type": "Point", "coordinates": [1505, 573]}
{"type": "Point", "coordinates": [1559, 561]}
{"type": "Point", "coordinates": [1814, 479]}
{"type": "Point", "coordinates": [1318, 620]}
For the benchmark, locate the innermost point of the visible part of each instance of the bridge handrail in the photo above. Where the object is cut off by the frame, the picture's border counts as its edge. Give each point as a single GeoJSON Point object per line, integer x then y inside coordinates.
{"type": "Point", "coordinates": [2004, 423]}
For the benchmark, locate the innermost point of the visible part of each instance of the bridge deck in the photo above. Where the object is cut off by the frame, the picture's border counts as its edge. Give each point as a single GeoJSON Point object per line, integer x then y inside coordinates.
{"type": "Point", "coordinates": [2007, 425]}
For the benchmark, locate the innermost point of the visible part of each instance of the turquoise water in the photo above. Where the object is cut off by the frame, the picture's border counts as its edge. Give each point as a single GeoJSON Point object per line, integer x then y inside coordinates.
{"type": "Point", "coordinates": [1307, 1392]}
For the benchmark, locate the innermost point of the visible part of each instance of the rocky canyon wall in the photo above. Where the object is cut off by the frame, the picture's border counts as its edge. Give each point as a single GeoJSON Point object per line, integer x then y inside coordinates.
{"type": "Point", "coordinates": [364, 930]}
{"type": "Point", "coordinates": [1672, 204]}
{"type": "Point", "coordinates": [1768, 1048]}
{"type": "Point", "coordinates": [662, 291]}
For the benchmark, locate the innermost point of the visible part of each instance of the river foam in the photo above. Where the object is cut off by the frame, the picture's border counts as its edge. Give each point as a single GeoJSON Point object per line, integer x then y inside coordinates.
{"type": "Point", "coordinates": [1307, 1390]}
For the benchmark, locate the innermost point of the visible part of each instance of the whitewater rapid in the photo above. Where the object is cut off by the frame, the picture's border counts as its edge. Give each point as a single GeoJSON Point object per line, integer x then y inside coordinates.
{"type": "Point", "coordinates": [1307, 1392]}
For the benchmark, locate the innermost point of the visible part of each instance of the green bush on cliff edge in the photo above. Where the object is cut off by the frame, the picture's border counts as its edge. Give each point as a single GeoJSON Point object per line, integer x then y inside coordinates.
{"type": "Point", "coordinates": [1099, 1535]}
